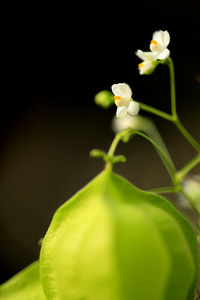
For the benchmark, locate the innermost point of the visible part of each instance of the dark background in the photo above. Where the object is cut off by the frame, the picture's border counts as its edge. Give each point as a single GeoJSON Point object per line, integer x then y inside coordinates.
{"type": "Point", "coordinates": [55, 59]}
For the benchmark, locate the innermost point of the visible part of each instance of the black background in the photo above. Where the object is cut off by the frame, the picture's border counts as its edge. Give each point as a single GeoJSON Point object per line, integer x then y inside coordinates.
{"type": "Point", "coordinates": [55, 59]}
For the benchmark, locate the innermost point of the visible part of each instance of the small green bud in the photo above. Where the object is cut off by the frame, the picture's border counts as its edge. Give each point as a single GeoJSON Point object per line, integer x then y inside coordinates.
{"type": "Point", "coordinates": [112, 241]}
{"type": "Point", "coordinates": [98, 153]}
{"type": "Point", "coordinates": [118, 158]}
{"type": "Point", "coordinates": [104, 99]}
{"type": "Point", "coordinates": [113, 159]}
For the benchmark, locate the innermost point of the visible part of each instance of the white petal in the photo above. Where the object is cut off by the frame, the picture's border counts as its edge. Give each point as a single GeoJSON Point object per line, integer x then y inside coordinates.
{"type": "Point", "coordinates": [164, 54]}
{"type": "Point", "coordinates": [151, 55]}
{"type": "Point", "coordinates": [133, 108]}
{"type": "Point", "coordinates": [158, 37]}
{"type": "Point", "coordinates": [141, 71]}
{"type": "Point", "coordinates": [122, 90]}
{"type": "Point", "coordinates": [156, 48]}
{"type": "Point", "coordinates": [162, 37]}
{"type": "Point", "coordinates": [121, 111]}
{"type": "Point", "coordinates": [146, 55]}
{"type": "Point", "coordinates": [114, 89]}
{"type": "Point", "coordinates": [127, 122]}
{"type": "Point", "coordinates": [146, 66]}
{"type": "Point", "coordinates": [127, 89]}
{"type": "Point", "coordinates": [141, 54]}
{"type": "Point", "coordinates": [123, 102]}
{"type": "Point", "coordinates": [166, 38]}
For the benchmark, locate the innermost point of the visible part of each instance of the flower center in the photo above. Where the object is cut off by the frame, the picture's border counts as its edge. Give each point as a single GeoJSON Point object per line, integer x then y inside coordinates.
{"type": "Point", "coordinates": [154, 42]}
{"type": "Point", "coordinates": [117, 98]}
{"type": "Point", "coordinates": [140, 65]}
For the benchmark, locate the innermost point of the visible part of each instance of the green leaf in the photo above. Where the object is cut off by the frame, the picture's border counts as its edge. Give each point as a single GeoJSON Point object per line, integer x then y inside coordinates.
{"type": "Point", "coordinates": [113, 241]}
{"type": "Point", "coordinates": [23, 286]}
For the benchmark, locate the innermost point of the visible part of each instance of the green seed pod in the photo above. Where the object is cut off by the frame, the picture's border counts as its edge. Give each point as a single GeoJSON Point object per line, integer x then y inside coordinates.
{"type": "Point", "coordinates": [25, 285]}
{"type": "Point", "coordinates": [112, 241]}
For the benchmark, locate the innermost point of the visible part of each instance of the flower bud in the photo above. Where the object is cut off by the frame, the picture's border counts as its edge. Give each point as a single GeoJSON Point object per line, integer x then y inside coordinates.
{"type": "Point", "coordinates": [104, 99]}
{"type": "Point", "coordinates": [112, 241]}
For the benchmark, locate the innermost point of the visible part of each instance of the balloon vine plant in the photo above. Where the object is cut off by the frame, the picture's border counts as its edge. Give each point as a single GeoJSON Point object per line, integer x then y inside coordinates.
{"type": "Point", "coordinates": [111, 240]}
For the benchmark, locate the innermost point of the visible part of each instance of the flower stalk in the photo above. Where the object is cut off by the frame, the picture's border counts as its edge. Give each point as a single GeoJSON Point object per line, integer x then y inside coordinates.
{"type": "Point", "coordinates": [175, 118]}
{"type": "Point", "coordinates": [127, 133]}
{"type": "Point", "coordinates": [155, 111]}
{"type": "Point", "coordinates": [188, 167]}
{"type": "Point", "coordinates": [118, 137]}
{"type": "Point", "coordinates": [186, 134]}
{"type": "Point", "coordinates": [158, 54]}
{"type": "Point", "coordinates": [170, 64]}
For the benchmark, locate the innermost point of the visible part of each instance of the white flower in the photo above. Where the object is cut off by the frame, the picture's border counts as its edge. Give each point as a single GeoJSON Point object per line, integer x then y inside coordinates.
{"type": "Point", "coordinates": [137, 123]}
{"type": "Point", "coordinates": [191, 187]}
{"type": "Point", "coordinates": [159, 43]}
{"type": "Point", "coordinates": [123, 100]}
{"type": "Point", "coordinates": [159, 51]}
{"type": "Point", "coordinates": [148, 64]}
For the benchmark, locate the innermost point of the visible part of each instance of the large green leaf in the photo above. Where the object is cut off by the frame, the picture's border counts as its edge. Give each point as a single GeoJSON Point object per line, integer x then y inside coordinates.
{"type": "Point", "coordinates": [23, 286]}
{"type": "Point", "coordinates": [112, 241]}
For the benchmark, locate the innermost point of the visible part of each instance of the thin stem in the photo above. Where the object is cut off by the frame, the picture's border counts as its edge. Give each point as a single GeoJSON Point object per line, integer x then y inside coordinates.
{"type": "Point", "coordinates": [170, 167]}
{"type": "Point", "coordinates": [188, 167]}
{"type": "Point", "coordinates": [175, 118]}
{"type": "Point", "coordinates": [186, 134]}
{"type": "Point", "coordinates": [150, 130]}
{"type": "Point", "coordinates": [164, 190]}
{"type": "Point", "coordinates": [155, 111]}
{"type": "Point", "coordinates": [170, 64]}
{"type": "Point", "coordinates": [113, 147]}
{"type": "Point", "coordinates": [116, 141]}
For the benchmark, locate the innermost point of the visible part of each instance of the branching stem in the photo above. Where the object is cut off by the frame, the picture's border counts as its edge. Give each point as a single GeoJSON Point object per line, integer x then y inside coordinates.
{"type": "Point", "coordinates": [173, 117]}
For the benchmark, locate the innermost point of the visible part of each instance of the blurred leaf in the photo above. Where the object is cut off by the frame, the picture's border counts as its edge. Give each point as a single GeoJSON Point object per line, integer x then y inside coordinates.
{"type": "Point", "coordinates": [112, 241]}
{"type": "Point", "coordinates": [23, 286]}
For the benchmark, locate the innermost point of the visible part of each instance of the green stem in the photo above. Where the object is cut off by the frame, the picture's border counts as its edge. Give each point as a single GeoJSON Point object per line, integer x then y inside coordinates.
{"type": "Point", "coordinates": [186, 134]}
{"type": "Point", "coordinates": [164, 190]}
{"type": "Point", "coordinates": [170, 167]}
{"type": "Point", "coordinates": [113, 146]}
{"type": "Point", "coordinates": [170, 64]}
{"type": "Point", "coordinates": [155, 111]}
{"type": "Point", "coordinates": [188, 167]}
{"type": "Point", "coordinates": [175, 118]}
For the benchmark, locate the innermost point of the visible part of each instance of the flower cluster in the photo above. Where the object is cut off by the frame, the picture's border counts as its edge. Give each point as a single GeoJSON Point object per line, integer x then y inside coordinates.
{"type": "Point", "coordinates": [122, 91]}
{"type": "Point", "coordinates": [159, 51]}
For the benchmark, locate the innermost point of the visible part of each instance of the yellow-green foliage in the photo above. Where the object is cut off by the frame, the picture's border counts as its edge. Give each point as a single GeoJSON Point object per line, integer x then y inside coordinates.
{"type": "Point", "coordinates": [112, 241]}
